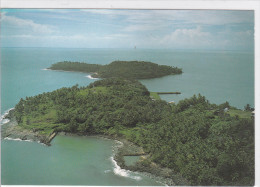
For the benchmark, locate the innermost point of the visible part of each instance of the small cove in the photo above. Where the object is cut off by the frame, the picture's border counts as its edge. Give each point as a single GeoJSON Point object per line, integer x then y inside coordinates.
{"type": "Point", "coordinates": [220, 76]}
{"type": "Point", "coordinates": [71, 160]}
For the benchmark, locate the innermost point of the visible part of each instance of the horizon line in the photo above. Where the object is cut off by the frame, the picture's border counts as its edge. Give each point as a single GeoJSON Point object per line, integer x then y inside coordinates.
{"type": "Point", "coordinates": [206, 49]}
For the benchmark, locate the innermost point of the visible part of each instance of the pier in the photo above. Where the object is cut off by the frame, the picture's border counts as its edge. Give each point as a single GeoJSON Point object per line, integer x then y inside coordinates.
{"type": "Point", "coordinates": [168, 92]}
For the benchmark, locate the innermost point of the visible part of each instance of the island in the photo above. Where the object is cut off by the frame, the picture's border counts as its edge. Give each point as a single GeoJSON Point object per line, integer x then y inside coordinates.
{"type": "Point", "coordinates": [193, 142]}
{"type": "Point", "coordinates": [124, 69]}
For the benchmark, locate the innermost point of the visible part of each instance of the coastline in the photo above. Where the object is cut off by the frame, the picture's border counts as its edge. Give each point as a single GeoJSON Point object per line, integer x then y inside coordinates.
{"type": "Point", "coordinates": [162, 175]}
{"type": "Point", "coordinates": [88, 76]}
{"type": "Point", "coordinates": [11, 131]}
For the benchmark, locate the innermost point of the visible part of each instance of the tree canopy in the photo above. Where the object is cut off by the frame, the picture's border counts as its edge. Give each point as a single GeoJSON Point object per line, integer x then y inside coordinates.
{"type": "Point", "coordinates": [123, 69]}
{"type": "Point", "coordinates": [195, 138]}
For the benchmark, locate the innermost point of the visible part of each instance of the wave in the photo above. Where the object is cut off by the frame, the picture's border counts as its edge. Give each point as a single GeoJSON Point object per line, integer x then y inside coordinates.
{"type": "Point", "coordinates": [107, 171]}
{"type": "Point", "coordinates": [20, 140]}
{"type": "Point", "coordinates": [17, 139]}
{"type": "Point", "coordinates": [118, 170]}
{"type": "Point", "coordinates": [4, 121]}
{"type": "Point", "coordinates": [122, 172]}
{"type": "Point", "coordinates": [90, 77]}
{"type": "Point", "coordinates": [45, 69]}
{"type": "Point", "coordinates": [2, 118]}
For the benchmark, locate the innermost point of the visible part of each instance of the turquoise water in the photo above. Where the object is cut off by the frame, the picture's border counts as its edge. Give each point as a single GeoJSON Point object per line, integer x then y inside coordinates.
{"type": "Point", "coordinates": [219, 75]}
{"type": "Point", "coordinates": [69, 161]}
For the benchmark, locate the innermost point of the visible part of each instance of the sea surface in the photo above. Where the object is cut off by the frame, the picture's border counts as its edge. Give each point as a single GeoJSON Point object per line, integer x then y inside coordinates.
{"type": "Point", "coordinates": [219, 75]}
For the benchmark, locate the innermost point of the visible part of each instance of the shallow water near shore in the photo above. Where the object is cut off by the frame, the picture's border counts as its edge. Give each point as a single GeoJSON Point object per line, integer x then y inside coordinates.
{"type": "Point", "coordinates": [219, 75]}
{"type": "Point", "coordinates": [71, 160]}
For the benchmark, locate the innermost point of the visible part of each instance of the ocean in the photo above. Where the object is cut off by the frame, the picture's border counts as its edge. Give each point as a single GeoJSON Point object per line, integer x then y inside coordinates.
{"type": "Point", "coordinates": [219, 75]}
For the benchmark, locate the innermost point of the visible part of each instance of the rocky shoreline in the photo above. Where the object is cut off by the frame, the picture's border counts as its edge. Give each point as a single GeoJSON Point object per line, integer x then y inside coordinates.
{"type": "Point", "coordinates": [12, 130]}
{"type": "Point", "coordinates": [144, 165]}
{"type": "Point", "coordinates": [165, 175]}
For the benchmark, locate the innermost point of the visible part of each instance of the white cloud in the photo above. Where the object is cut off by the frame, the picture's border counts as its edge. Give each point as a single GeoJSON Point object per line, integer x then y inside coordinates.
{"type": "Point", "coordinates": [77, 40]}
{"type": "Point", "coordinates": [141, 27]}
{"type": "Point", "coordinates": [187, 38]}
{"type": "Point", "coordinates": [163, 29]}
{"type": "Point", "coordinates": [26, 24]}
{"type": "Point", "coordinates": [213, 17]}
{"type": "Point", "coordinates": [145, 20]}
{"type": "Point", "coordinates": [107, 11]}
{"type": "Point", "coordinates": [18, 36]}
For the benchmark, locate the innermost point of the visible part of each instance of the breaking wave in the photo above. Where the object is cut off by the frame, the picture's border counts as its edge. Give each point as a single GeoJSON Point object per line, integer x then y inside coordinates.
{"type": "Point", "coordinates": [122, 172]}
{"type": "Point", "coordinates": [17, 139]}
{"type": "Point", "coordinates": [90, 77]}
{"type": "Point", "coordinates": [20, 140]}
{"type": "Point", "coordinates": [2, 118]}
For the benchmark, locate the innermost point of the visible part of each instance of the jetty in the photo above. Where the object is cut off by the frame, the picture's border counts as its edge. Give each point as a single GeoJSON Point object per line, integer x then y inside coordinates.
{"type": "Point", "coordinates": [50, 138]}
{"type": "Point", "coordinates": [168, 92]}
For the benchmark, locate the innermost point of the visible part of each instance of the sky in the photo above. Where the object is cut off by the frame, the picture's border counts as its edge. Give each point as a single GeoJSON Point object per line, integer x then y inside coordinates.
{"type": "Point", "coordinates": [125, 28]}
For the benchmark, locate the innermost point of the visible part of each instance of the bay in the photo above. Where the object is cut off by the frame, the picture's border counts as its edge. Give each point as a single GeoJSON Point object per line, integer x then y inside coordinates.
{"type": "Point", "coordinates": [219, 75]}
{"type": "Point", "coordinates": [71, 160]}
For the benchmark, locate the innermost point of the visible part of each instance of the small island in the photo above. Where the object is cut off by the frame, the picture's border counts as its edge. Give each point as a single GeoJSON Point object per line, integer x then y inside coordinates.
{"type": "Point", "coordinates": [172, 140]}
{"type": "Point", "coordinates": [123, 69]}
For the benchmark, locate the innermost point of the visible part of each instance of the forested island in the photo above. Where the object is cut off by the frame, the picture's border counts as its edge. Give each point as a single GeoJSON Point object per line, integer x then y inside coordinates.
{"type": "Point", "coordinates": [124, 69]}
{"type": "Point", "coordinates": [201, 142]}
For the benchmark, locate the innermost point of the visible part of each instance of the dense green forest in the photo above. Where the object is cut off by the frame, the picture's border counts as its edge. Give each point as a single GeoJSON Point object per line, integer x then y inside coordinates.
{"type": "Point", "coordinates": [125, 69]}
{"type": "Point", "coordinates": [200, 141]}
{"type": "Point", "coordinates": [76, 66]}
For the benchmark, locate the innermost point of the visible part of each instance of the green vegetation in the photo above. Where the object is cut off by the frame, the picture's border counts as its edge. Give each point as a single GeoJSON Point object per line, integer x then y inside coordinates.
{"type": "Point", "coordinates": [203, 143]}
{"type": "Point", "coordinates": [248, 108]}
{"type": "Point", "coordinates": [198, 140]}
{"type": "Point", "coordinates": [76, 66]}
{"type": "Point", "coordinates": [123, 69]}
{"type": "Point", "coordinates": [240, 113]}
{"type": "Point", "coordinates": [154, 95]}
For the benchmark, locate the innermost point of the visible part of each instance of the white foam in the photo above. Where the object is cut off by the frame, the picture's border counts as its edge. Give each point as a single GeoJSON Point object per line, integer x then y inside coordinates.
{"type": "Point", "coordinates": [118, 170]}
{"type": "Point", "coordinates": [45, 69]}
{"type": "Point", "coordinates": [107, 171]}
{"type": "Point", "coordinates": [17, 139]}
{"type": "Point", "coordinates": [90, 77]}
{"type": "Point", "coordinates": [118, 142]}
{"type": "Point", "coordinates": [2, 118]}
{"type": "Point", "coordinates": [14, 139]}
{"type": "Point", "coordinates": [20, 140]}
{"type": "Point", "coordinates": [4, 121]}
{"type": "Point", "coordinates": [41, 143]}
{"type": "Point", "coordinates": [122, 172]}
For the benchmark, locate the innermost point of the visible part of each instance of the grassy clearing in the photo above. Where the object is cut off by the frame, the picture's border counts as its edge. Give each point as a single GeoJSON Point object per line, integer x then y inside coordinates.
{"type": "Point", "coordinates": [44, 123]}
{"type": "Point", "coordinates": [99, 89]}
{"type": "Point", "coordinates": [155, 95]}
{"type": "Point", "coordinates": [240, 113]}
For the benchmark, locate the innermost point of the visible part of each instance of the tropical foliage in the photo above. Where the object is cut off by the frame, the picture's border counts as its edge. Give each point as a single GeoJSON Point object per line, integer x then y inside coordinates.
{"type": "Point", "coordinates": [125, 69]}
{"type": "Point", "coordinates": [199, 140]}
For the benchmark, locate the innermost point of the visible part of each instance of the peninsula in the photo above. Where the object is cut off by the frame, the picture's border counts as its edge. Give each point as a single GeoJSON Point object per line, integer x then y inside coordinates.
{"type": "Point", "coordinates": [194, 139]}
{"type": "Point", "coordinates": [123, 69]}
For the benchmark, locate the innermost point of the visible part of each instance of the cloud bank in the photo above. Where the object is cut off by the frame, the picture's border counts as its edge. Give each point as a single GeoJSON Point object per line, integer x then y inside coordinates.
{"type": "Point", "coordinates": [102, 28]}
